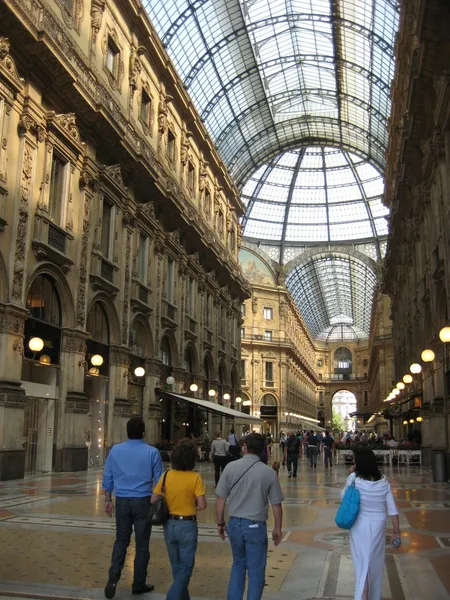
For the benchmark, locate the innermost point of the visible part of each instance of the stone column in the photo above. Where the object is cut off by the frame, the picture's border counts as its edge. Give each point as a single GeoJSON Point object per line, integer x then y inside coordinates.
{"type": "Point", "coordinates": [152, 406]}
{"type": "Point", "coordinates": [119, 408]}
{"type": "Point", "coordinates": [427, 440]}
{"type": "Point", "coordinates": [72, 411]}
{"type": "Point", "coordinates": [12, 396]}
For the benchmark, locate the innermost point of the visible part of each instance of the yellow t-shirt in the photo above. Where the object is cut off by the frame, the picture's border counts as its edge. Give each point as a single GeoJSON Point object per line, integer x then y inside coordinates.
{"type": "Point", "coordinates": [182, 490]}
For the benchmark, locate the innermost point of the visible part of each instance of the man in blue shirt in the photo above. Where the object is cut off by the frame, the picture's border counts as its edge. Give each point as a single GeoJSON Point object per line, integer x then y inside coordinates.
{"type": "Point", "coordinates": [132, 469]}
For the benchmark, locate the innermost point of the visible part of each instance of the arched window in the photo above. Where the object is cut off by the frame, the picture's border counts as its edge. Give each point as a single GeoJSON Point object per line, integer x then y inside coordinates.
{"type": "Point", "coordinates": [189, 363]}
{"type": "Point", "coordinates": [97, 324]}
{"type": "Point", "coordinates": [269, 400]}
{"type": "Point", "coordinates": [44, 322]}
{"type": "Point", "coordinates": [137, 339]}
{"type": "Point", "coordinates": [166, 355]}
{"type": "Point", "coordinates": [43, 301]}
{"type": "Point", "coordinates": [343, 362]}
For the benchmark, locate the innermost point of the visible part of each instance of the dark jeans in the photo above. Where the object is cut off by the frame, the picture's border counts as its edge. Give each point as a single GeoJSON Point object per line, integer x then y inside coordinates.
{"type": "Point", "coordinates": [328, 454]}
{"type": "Point", "coordinates": [292, 464]}
{"type": "Point", "coordinates": [249, 547]}
{"type": "Point", "coordinates": [312, 455]}
{"type": "Point", "coordinates": [220, 462]}
{"type": "Point", "coordinates": [235, 452]}
{"type": "Point", "coordinates": [132, 512]}
{"type": "Point", "coordinates": [181, 542]}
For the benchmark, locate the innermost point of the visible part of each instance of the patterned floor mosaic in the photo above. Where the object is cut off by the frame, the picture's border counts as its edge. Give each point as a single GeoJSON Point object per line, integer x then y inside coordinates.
{"type": "Point", "coordinates": [56, 541]}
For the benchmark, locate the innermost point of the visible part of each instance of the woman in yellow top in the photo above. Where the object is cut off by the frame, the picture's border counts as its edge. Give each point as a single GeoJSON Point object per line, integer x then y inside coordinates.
{"type": "Point", "coordinates": [184, 496]}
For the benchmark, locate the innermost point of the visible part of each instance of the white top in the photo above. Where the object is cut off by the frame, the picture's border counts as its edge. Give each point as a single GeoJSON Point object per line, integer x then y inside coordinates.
{"type": "Point", "coordinates": [375, 497]}
{"type": "Point", "coordinates": [219, 447]}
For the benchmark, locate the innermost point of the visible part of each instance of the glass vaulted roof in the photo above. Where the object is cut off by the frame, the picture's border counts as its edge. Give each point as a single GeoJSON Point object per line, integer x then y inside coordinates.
{"type": "Point", "coordinates": [315, 194]}
{"type": "Point", "coordinates": [334, 295]}
{"type": "Point", "coordinates": [267, 75]}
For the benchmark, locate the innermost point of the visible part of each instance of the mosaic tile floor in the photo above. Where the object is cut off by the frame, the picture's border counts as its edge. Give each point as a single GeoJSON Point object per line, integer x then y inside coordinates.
{"type": "Point", "coordinates": [56, 541]}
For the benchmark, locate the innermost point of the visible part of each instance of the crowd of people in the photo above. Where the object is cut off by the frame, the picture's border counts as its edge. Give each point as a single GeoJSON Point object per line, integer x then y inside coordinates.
{"type": "Point", "coordinates": [134, 473]}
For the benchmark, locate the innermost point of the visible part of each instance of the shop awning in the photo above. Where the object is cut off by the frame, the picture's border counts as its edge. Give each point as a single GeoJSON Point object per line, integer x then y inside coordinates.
{"type": "Point", "coordinates": [211, 406]}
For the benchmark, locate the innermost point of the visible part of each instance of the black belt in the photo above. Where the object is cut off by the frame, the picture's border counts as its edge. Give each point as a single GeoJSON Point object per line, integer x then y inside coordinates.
{"type": "Point", "coordinates": [182, 518]}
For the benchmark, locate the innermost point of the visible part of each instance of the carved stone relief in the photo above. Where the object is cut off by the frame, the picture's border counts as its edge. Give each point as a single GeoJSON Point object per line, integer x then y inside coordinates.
{"type": "Point", "coordinates": [22, 225]}
{"type": "Point", "coordinates": [97, 9]}
{"type": "Point", "coordinates": [126, 288]}
{"type": "Point", "coordinates": [73, 17]}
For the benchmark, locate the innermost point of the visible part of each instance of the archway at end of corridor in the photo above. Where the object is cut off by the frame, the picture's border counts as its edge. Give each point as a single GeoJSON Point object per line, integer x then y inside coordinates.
{"type": "Point", "coordinates": [343, 404]}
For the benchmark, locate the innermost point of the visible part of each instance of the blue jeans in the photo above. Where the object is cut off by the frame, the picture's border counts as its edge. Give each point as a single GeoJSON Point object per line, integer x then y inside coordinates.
{"type": "Point", "coordinates": [249, 547]}
{"type": "Point", "coordinates": [132, 512]}
{"type": "Point", "coordinates": [181, 542]}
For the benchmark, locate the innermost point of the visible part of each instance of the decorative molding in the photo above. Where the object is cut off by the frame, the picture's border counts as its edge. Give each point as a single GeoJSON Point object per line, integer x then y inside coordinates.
{"type": "Point", "coordinates": [115, 79]}
{"type": "Point", "coordinates": [97, 9]}
{"type": "Point", "coordinates": [72, 18]}
{"type": "Point", "coordinates": [163, 111]}
{"type": "Point", "coordinates": [8, 69]}
{"type": "Point", "coordinates": [119, 357]}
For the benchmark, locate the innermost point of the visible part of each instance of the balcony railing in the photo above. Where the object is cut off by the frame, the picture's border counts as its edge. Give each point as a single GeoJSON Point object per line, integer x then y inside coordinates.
{"type": "Point", "coordinates": [107, 271]}
{"type": "Point", "coordinates": [57, 238]}
{"type": "Point", "coordinates": [261, 337]}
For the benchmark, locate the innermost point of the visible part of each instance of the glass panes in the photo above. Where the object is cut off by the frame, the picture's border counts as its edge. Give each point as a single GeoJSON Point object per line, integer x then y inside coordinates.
{"type": "Point", "coordinates": [334, 295]}
{"type": "Point", "coordinates": [43, 301]}
{"type": "Point", "coordinates": [315, 194]}
{"type": "Point", "coordinates": [262, 73]}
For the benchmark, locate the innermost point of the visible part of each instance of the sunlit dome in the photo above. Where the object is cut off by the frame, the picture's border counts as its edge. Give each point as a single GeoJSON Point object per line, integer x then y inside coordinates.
{"type": "Point", "coordinates": [342, 333]}
{"type": "Point", "coordinates": [315, 194]}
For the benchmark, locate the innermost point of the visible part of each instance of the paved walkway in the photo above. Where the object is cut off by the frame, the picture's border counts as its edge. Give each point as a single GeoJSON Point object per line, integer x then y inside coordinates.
{"type": "Point", "coordinates": [55, 541]}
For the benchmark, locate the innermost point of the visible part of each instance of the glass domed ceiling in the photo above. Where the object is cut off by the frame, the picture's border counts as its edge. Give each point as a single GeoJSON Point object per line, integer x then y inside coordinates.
{"type": "Point", "coordinates": [315, 194]}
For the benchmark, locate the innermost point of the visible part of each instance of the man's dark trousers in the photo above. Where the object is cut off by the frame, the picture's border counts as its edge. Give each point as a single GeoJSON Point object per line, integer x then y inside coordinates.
{"type": "Point", "coordinates": [292, 464]}
{"type": "Point", "coordinates": [129, 512]}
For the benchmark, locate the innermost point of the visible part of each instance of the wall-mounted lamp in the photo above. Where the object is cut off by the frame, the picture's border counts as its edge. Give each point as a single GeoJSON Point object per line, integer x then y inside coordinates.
{"type": "Point", "coordinates": [405, 422]}
{"type": "Point", "coordinates": [170, 380]}
{"type": "Point", "coordinates": [427, 356]}
{"type": "Point", "coordinates": [411, 421]}
{"type": "Point", "coordinates": [212, 393]}
{"type": "Point", "coordinates": [97, 360]}
{"type": "Point", "coordinates": [45, 359]}
{"type": "Point", "coordinates": [238, 400]}
{"type": "Point", "coordinates": [419, 419]}
{"type": "Point", "coordinates": [400, 385]}
{"type": "Point", "coordinates": [407, 378]}
{"type": "Point", "coordinates": [36, 344]}
{"type": "Point", "coordinates": [444, 335]}
{"type": "Point", "coordinates": [415, 368]}
{"type": "Point", "coordinates": [226, 396]}
{"type": "Point", "coordinates": [193, 387]}
{"type": "Point", "coordinates": [139, 371]}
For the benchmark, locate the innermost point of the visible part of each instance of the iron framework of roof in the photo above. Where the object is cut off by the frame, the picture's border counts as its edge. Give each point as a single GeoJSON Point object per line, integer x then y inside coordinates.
{"type": "Point", "coordinates": [268, 75]}
{"type": "Point", "coordinates": [333, 290]}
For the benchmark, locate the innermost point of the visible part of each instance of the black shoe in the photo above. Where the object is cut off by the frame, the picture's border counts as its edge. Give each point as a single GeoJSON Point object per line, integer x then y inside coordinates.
{"type": "Point", "coordinates": [143, 590]}
{"type": "Point", "coordinates": [289, 475]}
{"type": "Point", "coordinates": [315, 466]}
{"type": "Point", "coordinates": [110, 588]}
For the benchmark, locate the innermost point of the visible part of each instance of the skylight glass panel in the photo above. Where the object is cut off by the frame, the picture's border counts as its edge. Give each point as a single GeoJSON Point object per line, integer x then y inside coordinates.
{"type": "Point", "coordinates": [285, 51]}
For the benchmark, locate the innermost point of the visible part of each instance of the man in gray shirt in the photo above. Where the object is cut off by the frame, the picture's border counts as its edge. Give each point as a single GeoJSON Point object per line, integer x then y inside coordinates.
{"type": "Point", "coordinates": [249, 485]}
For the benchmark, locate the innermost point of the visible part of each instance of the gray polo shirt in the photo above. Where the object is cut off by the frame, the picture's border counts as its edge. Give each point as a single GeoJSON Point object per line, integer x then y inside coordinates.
{"type": "Point", "coordinates": [249, 499]}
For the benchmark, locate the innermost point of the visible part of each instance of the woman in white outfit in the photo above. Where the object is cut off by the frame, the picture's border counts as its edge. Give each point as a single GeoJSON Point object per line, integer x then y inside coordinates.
{"type": "Point", "coordinates": [368, 534]}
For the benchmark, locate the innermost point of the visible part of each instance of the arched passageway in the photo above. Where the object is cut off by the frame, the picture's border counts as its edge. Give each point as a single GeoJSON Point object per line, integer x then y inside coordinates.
{"type": "Point", "coordinates": [343, 405]}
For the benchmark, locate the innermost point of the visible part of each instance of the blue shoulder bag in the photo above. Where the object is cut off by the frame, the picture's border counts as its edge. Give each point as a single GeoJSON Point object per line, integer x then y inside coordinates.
{"type": "Point", "coordinates": [348, 511]}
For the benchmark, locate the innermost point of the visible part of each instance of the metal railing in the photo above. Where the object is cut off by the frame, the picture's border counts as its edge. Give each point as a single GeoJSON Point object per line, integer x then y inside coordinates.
{"type": "Point", "coordinates": [56, 238]}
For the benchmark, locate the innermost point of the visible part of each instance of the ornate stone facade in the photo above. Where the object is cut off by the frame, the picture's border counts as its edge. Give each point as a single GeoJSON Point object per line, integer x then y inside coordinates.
{"type": "Point", "coordinates": [105, 235]}
{"type": "Point", "coordinates": [417, 268]}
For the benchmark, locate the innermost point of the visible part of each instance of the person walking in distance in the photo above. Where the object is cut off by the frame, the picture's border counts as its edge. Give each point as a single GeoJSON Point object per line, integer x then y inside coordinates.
{"type": "Point", "coordinates": [219, 455]}
{"type": "Point", "coordinates": [234, 447]}
{"type": "Point", "coordinates": [131, 470]}
{"type": "Point", "coordinates": [313, 444]}
{"type": "Point", "coordinates": [328, 445]}
{"type": "Point", "coordinates": [249, 485]}
{"type": "Point", "coordinates": [292, 452]}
